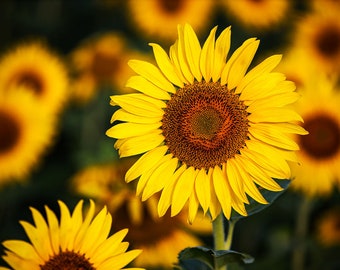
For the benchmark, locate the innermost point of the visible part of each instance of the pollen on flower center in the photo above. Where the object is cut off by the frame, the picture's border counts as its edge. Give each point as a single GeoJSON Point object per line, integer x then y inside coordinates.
{"type": "Point", "coordinates": [205, 124]}
{"type": "Point", "coordinates": [68, 260]}
{"type": "Point", "coordinates": [323, 140]}
{"type": "Point", "coordinates": [9, 132]}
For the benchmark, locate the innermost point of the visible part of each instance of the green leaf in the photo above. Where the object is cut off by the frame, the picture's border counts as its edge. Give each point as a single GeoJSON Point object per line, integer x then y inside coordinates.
{"type": "Point", "coordinates": [212, 258]}
{"type": "Point", "coordinates": [254, 207]}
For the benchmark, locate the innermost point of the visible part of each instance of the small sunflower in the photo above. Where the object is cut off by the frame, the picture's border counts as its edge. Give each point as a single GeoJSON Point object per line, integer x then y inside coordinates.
{"type": "Point", "coordinates": [319, 153]}
{"type": "Point", "coordinates": [328, 229]}
{"type": "Point", "coordinates": [159, 18]}
{"type": "Point", "coordinates": [74, 243]}
{"type": "Point", "coordinates": [211, 132]}
{"type": "Point", "coordinates": [100, 61]}
{"type": "Point", "coordinates": [26, 131]}
{"type": "Point", "coordinates": [105, 184]}
{"type": "Point", "coordinates": [262, 14]}
{"type": "Point", "coordinates": [318, 35]}
{"type": "Point", "coordinates": [39, 70]}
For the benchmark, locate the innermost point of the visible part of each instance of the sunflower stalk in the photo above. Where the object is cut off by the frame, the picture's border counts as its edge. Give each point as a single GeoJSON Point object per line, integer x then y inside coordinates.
{"type": "Point", "coordinates": [219, 237]}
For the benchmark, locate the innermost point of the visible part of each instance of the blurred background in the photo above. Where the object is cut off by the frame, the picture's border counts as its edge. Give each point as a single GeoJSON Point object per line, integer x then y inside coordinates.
{"type": "Point", "coordinates": [61, 60]}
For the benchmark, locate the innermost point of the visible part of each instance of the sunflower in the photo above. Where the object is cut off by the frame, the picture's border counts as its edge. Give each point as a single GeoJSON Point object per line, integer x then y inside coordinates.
{"type": "Point", "coordinates": [159, 18]}
{"type": "Point", "coordinates": [318, 35]}
{"type": "Point", "coordinates": [319, 153]}
{"type": "Point", "coordinates": [100, 61]}
{"type": "Point", "coordinates": [74, 243]}
{"type": "Point", "coordinates": [41, 71]}
{"type": "Point", "coordinates": [105, 184]}
{"type": "Point", "coordinates": [211, 133]}
{"type": "Point", "coordinates": [252, 14]}
{"type": "Point", "coordinates": [327, 229]}
{"type": "Point", "coordinates": [26, 131]}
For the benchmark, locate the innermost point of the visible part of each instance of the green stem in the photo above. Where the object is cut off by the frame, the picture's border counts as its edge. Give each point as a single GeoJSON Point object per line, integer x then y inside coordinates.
{"type": "Point", "coordinates": [218, 233]}
{"type": "Point", "coordinates": [299, 251]}
{"type": "Point", "coordinates": [230, 234]}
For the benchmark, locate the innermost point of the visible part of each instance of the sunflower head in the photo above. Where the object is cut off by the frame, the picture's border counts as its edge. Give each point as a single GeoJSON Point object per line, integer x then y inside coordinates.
{"type": "Point", "coordinates": [73, 243]}
{"type": "Point", "coordinates": [42, 72]}
{"type": "Point", "coordinates": [210, 133]}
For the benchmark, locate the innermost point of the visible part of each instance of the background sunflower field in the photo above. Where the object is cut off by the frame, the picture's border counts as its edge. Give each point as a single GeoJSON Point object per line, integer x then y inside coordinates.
{"type": "Point", "coordinates": [58, 150]}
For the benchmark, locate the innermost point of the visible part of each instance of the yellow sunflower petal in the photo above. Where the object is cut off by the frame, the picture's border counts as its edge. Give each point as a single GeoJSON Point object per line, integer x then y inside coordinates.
{"type": "Point", "coordinates": [222, 47]}
{"type": "Point", "coordinates": [238, 63]}
{"type": "Point", "coordinates": [249, 186]}
{"type": "Point", "coordinates": [152, 73]}
{"type": "Point", "coordinates": [192, 51]}
{"type": "Point", "coordinates": [222, 190]}
{"type": "Point", "coordinates": [166, 196]}
{"type": "Point", "coordinates": [279, 100]}
{"type": "Point", "coordinates": [193, 207]}
{"type": "Point", "coordinates": [265, 66]}
{"type": "Point", "coordinates": [181, 56]}
{"type": "Point", "coordinates": [17, 262]}
{"type": "Point", "coordinates": [202, 188]}
{"type": "Point", "coordinates": [53, 225]}
{"type": "Point", "coordinates": [160, 177]}
{"type": "Point", "coordinates": [274, 165]}
{"type": "Point", "coordinates": [126, 130]}
{"type": "Point", "coordinates": [259, 176]}
{"type": "Point", "coordinates": [235, 181]}
{"type": "Point", "coordinates": [274, 115]}
{"type": "Point", "coordinates": [24, 250]}
{"type": "Point", "coordinates": [173, 54]}
{"type": "Point", "coordinates": [119, 261]}
{"type": "Point", "coordinates": [165, 65]}
{"type": "Point", "coordinates": [82, 230]}
{"type": "Point", "coordinates": [207, 56]}
{"type": "Point", "coordinates": [148, 88]}
{"type": "Point", "coordinates": [37, 240]}
{"type": "Point", "coordinates": [183, 190]}
{"type": "Point", "coordinates": [106, 249]}
{"type": "Point", "coordinates": [136, 104]}
{"type": "Point", "coordinates": [123, 115]}
{"type": "Point", "coordinates": [273, 137]}
{"type": "Point", "coordinates": [215, 206]}
{"type": "Point", "coordinates": [138, 145]}
{"type": "Point", "coordinates": [263, 86]}
{"type": "Point", "coordinates": [145, 162]}
{"type": "Point", "coordinates": [143, 180]}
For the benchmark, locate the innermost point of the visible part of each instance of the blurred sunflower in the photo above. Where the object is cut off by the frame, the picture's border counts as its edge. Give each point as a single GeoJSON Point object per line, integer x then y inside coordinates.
{"type": "Point", "coordinates": [74, 243]}
{"type": "Point", "coordinates": [319, 153]}
{"type": "Point", "coordinates": [297, 67]}
{"type": "Point", "coordinates": [42, 72]}
{"type": "Point", "coordinates": [211, 132]}
{"type": "Point", "coordinates": [99, 62]}
{"type": "Point", "coordinates": [327, 229]}
{"type": "Point", "coordinates": [318, 35]}
{"type": "Point", "coordinates": [264, 14]}
{"type": "Point", "coordinates": [105, 184]}
{"type": "Point", "coordinates": [25, 134]}
{"type": "Point", "coordinates": [159, 18]}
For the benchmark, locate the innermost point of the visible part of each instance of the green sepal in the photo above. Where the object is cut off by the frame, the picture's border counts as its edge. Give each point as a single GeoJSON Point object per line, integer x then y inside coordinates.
{"type": "Point", "coordinates": [210, 259]}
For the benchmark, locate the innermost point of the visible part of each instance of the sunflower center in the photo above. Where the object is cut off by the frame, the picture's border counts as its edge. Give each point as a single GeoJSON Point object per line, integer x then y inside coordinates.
{"type": "Point", "coordinates": [205, 124]}
{"type": "Point", "coordinates": [323, 140]}
{"type": "Point", "coordinates": [104, 65]}
{"type": "Point", "coordinates": [9, 132]}
{"type": "Point", "coordinates": [148, 232]}
{"type": "Point", "coordinates": [68, 260]}
{"type": "Point", "coordinates": [328, 41]}
{"type": "Point", "coordinates": [170, 6]}
{"type": "Point", "coordinates": [30, 80]}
